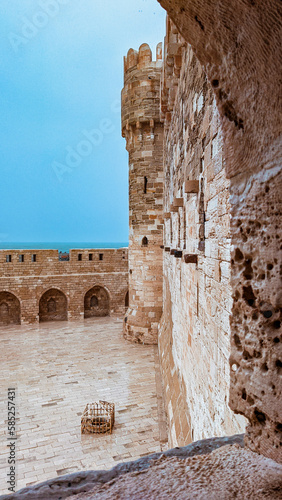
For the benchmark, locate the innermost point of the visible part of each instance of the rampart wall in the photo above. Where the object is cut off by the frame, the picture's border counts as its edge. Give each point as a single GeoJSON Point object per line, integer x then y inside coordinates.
{"type": "Point", "coordinates": [36, 286]}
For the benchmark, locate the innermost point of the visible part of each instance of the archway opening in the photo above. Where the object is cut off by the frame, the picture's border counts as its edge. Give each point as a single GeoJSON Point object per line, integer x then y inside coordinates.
{"type": "Point", "coordinates": [96, 302]}
{"type": "Point", "coordinates": [53, 306]}
{"type": "Point", "coordinates": [10, 309]}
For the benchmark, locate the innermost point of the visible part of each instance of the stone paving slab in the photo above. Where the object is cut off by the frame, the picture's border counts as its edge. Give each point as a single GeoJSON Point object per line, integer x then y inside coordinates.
{"type": "Point", "coordinates": [57, 368]}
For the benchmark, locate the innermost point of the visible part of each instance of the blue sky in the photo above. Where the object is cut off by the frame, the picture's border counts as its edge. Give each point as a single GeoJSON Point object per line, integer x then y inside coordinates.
{"type": "Point", "coordinates": [61, 73]}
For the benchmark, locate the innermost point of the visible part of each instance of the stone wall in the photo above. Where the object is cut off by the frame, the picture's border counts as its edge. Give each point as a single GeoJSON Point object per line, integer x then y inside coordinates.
{"type": "Point", "coordinates": [143, 130]}
{"type": "Point", "coordinates": [194, 334]}
{"type": "Point", "coordinates": [238, 43]}
{"type": "Point", "coordinates": [92, 283]}
{"type": "Point", "coordinates": [188, 194]}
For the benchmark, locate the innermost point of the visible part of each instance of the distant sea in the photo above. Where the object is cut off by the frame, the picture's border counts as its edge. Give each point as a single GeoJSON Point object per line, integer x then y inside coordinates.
{"type": "Point", "coordinates": [64, 246]}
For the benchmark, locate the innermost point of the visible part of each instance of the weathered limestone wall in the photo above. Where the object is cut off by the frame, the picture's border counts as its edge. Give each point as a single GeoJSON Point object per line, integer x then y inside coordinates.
{"type": "Point", "coordinates": [238, 42]}
{"type": "Point", "coordinates": [194, 335]}
{"type": "Point", "coordinates": [256, 360]}
{"type": "Point", "coordinates": [143, 131]}
{"type": "Point", "coordinates": [79, 287]}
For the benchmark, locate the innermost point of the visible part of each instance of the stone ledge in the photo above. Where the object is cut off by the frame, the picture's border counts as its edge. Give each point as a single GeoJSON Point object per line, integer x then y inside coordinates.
{"type": "Point", "coordinates": [80, 482]}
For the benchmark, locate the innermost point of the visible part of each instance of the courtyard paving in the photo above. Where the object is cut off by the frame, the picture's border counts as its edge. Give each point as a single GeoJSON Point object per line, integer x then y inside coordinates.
{"type": "Point", "coordinates": [57, 368]}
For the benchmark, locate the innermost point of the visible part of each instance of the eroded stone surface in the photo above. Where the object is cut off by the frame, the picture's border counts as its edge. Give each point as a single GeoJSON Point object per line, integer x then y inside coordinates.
{"type": "Point", "coordinates": [73, 484]}
{"type": "Point", "coordinates": [256, 383]}
{"type": "Point", "coordinates": [226, 474]}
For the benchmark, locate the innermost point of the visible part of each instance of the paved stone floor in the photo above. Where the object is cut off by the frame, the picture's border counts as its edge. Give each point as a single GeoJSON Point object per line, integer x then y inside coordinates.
{"type": "Point", "coordinates": [59, 367]}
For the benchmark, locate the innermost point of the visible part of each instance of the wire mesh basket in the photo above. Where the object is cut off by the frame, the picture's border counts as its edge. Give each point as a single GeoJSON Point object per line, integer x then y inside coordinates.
{"type": "Point", "coordinates": [98, 418]}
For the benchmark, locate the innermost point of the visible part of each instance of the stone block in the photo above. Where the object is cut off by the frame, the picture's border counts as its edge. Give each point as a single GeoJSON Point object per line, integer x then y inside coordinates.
{"type": "Point", "coordinates": [191, 187]}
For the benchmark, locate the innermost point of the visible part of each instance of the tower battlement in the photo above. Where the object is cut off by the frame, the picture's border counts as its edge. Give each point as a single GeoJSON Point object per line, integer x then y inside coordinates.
{"type": "Point", "coordinates": [140, 98]}
{"type": "Point", "coordinates": [142, 58]}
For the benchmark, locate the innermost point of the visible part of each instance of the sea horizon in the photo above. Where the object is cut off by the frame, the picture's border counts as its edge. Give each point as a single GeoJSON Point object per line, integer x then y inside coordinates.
{"type": "Point", "coordinates": [63, 246]}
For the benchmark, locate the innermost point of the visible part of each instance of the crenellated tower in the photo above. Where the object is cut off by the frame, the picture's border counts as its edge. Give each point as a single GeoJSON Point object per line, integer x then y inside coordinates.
{"type": "Point", "coordinates": [143, 131]}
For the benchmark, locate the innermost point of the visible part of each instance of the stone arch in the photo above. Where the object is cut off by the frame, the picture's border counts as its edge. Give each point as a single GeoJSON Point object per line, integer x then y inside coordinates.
{"type": "Point", "coordinates": [53, 306]}
{"type": "Point", "coordinates": [10, 309]}
{"type": "Point", "coordinates": [96, 302]}
{"type": "Point", "coordinates": [238, 42]}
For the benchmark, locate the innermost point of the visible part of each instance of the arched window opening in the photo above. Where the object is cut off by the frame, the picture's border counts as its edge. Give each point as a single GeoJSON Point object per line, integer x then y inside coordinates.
{"type": "Point", "coordinates": [94, 301]}
{"type": "Point", "coordinates": [145, 241]}
{"type": "Point", "coordinates": [51, 306]}
{"type": "Point", "coordinates": [126, 301]}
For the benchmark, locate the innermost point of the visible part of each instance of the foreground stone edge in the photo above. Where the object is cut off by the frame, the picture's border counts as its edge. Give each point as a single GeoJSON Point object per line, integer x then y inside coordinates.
{"type": "Point", "coordinates": [80, 482]}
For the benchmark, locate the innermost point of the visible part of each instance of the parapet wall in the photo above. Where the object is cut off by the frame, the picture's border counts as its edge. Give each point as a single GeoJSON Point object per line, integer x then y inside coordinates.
{"type": "Point", "coordinates": [28, 275]}
{"type": "Point", "coordinates": [48, 262]}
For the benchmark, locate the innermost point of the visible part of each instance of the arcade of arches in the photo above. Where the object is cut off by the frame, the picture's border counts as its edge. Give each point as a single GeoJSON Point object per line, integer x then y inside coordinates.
{"type": "Point", "coordinates": [53, 305]}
